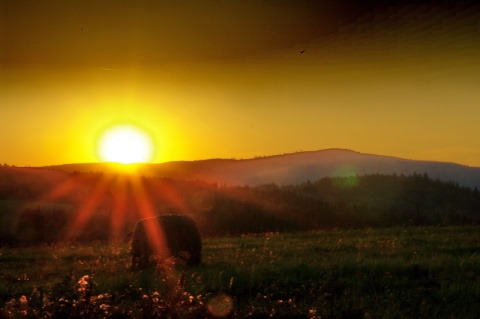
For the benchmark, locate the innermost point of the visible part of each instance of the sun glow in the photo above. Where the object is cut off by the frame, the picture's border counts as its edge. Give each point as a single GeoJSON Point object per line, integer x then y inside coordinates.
{"type": "Point", "coordinates": [125, 144]}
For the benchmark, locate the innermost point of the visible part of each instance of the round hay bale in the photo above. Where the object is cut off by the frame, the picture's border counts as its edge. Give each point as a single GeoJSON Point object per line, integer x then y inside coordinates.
{"type": "Point", "coordinates": [166, 236]}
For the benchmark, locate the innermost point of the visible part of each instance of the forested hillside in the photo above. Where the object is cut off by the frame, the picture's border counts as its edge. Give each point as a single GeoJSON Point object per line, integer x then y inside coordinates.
{"type": "Point", "coordinates": [293, 168]}
{"type": "Point", "coordinates": [44, 206]}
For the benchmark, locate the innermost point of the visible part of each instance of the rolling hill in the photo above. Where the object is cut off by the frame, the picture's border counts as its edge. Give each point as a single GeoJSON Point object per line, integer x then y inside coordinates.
{"type": "Point", "coordinates": [388, 192]}
{"type": "Point", "coordinates": [295, 168]}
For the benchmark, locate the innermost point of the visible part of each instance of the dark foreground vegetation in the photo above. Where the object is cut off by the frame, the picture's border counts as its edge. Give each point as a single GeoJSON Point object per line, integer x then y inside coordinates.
{"type": "Point", "coordinates": [371, 246]}
{"type": "Point", "coordinates": [42, 206]}
{"type": "Point", "coordinates": [412, 272]}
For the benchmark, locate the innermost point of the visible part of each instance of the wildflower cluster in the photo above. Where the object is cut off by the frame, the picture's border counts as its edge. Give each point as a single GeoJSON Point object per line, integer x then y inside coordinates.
{"type": "Point", "coordinates": [79, 300]}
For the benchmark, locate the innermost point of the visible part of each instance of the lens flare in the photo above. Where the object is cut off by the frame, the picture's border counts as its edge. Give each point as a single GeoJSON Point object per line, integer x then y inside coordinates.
{"type": "Point", "coordinates": [345, 176]}
{"type": "Point", "coordinates": [220, 305]}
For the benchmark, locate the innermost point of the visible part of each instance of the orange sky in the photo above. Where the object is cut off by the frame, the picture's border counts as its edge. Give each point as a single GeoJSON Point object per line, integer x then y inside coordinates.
{"type": "Point", "coordinates": [238, 79]}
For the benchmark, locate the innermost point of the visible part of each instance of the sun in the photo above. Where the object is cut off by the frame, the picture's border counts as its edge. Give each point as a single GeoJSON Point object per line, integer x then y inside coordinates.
{"type": "Point", "coordinates": [125, 144]}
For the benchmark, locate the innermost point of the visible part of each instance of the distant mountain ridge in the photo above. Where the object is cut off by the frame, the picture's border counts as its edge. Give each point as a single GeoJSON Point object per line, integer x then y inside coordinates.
{"type": "Point", "coordinates": [295, 168]}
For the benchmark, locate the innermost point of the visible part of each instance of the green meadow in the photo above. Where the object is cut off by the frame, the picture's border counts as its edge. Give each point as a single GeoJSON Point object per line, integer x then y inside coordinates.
{"type": "Point", "coordinates": [412, 272]}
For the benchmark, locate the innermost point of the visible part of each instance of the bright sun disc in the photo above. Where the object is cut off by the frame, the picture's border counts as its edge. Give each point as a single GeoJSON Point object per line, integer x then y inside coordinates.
{"type": "Point", "coordinates": [125, 144]}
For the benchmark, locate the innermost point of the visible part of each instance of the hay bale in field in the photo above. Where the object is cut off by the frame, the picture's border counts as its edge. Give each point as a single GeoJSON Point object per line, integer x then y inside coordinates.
{"type": "Point", "coordinates": [166, 236]}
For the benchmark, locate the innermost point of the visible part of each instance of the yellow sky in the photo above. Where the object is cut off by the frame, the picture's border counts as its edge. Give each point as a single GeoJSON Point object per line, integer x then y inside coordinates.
{"type": "Point", "coordinates": [238, 79]}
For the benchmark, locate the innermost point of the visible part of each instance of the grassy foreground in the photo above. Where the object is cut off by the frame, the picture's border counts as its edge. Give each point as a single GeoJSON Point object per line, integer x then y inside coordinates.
{"type": "Point", "coordinates": [388, 273]}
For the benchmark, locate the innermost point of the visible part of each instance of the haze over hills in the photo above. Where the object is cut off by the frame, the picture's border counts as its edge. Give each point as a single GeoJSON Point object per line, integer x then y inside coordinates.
{"type": "Point", "coordinates": [295, 168]}
{"type": "Point", "coordinates": [84, 204]}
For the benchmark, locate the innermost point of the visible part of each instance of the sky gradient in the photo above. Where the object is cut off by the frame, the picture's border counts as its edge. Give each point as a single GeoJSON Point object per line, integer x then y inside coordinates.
{"type": "Point", "coordinates": [238, 79]}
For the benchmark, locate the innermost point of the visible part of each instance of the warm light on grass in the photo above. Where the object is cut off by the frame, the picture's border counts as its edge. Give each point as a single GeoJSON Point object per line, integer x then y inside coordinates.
{"type": "Point", "coordinates": [125, 144]}
{"type": "Point", "coordinates": [400, 272]}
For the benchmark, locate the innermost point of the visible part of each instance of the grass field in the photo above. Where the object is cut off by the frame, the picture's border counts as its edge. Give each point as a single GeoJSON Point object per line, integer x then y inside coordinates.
{"type": "Point", "coordinates": [387, 273]}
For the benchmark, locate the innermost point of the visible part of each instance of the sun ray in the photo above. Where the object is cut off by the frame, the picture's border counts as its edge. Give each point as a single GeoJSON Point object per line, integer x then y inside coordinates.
{"type": "Point", "coordinates": [88, 208]}
{"type": "Point", "coordinates": [146, 209]}
{"type": "Point", "coordinates": [118, 218]}
{"type": "Point", "coordinates": [172, 197]}
{"type": "Point", "coordinates": [64, 189]}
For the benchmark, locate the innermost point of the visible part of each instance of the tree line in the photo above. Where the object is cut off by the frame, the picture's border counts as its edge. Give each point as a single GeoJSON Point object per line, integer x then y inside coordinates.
{"type": "Point", "coordinates": [328, 203]}
{"type": "Point", "coordinates": [343, 202]}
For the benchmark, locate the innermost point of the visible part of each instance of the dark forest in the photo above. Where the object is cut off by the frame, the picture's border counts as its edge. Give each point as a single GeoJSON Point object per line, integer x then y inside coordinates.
{"type": "Point", "coordinates": [370, 201]}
